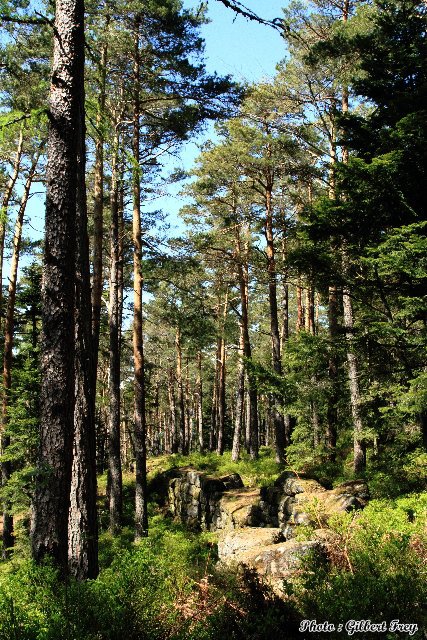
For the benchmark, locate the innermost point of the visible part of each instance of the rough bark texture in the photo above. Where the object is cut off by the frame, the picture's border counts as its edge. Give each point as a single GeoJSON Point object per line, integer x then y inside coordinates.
{"type": "Point", "coordinates": [6, 466]}
{"type": "Point", "coordinates": [83, 524]}
{"type": "Point", "coordinates": [113, 433]}
{"type": "Point", "coordinates": [49, 527]}
{"type": "Point", "coordinates": [279, 427]}
{"type": "Point", "coordinates": [140, 430]}
{"type": "Point", "coordinates": [243, 274]}
{"type": "Point", "coordinates": [358, 443]}
{"type": "Point", "coordinates": [240, 398]}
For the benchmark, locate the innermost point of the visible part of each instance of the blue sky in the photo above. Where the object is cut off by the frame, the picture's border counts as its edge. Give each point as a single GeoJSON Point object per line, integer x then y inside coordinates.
{"type": "Point", "coordinates": [236, 46]}
{"type": "Point", "coordinates": [246, 50]}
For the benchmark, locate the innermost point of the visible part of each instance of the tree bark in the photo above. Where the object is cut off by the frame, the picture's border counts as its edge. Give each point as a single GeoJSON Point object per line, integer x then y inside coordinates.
{"type": "Point", "coordinates": [113, 433]}
{"type": "Point", "coordinates": [355, 400]}
{"type": "Point", "coordinates": [279, 427]}
{"type": "Point", "coordinates": [300, 308]}
{"type": "Point", "coordinates": [221, 382]}
{"type": "Point", "coordinates": [181, 399]}
{"type": "Point", "coordinates": [240, 398]}
{"type": "Point", "coordinates": [332, 408]}
{"type": "Point", "coordinates": [199, 406]}
{"type": "Point", "coordinates": [214, 408]}
{"type": "Point", "coordinates": [172, 411]}
{"type": "Point", "coordinates": [82, 522]}
{"type": "Point", "coordinates": [49, 527]}
{"type": "Point", "coordinates": [98, 209]}
{"type": "Point", "coordinates": [141, 516]}
{"type": "Point", "coordinates": [6, 466]}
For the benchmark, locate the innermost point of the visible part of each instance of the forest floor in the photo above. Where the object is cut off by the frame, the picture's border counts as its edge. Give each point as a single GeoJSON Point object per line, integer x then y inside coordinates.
{"type": "Point", "coordinates": [170, 587]}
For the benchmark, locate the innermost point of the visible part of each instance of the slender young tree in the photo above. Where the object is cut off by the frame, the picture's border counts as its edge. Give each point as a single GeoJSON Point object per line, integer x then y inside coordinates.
{"type": "Point", "coordinates": [6, 467]}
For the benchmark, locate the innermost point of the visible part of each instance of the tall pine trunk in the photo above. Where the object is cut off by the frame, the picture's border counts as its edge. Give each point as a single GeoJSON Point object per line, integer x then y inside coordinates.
{"type": "Point", "coordinates": [333, 397]}
{"type": "Point", "coordinates": [240, 398]}
{"type": "Point", "coordinates": [98, 210]}
{"type": "Point", "coordinates": [182, 447]}
{"type": "Point", "coordinates": [113, 431]}
{"type": "Point", "coordinates": [83, 523]}
{"type": "Point", "coordinates": [279, 426]}
{"type": "Point", "coordinates": [222, 354]}
{"type": "Point", "coordinates": [49, 526]}
{"type": "Point", "coordinates": [172, 411]}
{"type": "Point", "coordinates": [359, 445]}
{"type": "Point", "coordinates": [199, 403]}
{"type": "Point", "coordinates": [243, 275]}
{"type": "Point", "coordinates": [140, 430]}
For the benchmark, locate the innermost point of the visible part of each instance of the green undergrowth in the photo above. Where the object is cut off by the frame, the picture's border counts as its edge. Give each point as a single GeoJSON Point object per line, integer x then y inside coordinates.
{"type": "Point", "coordinates": [164, 587]}
{"type": "Point", "coordinates": [168, 586]}
{"type": "Point", "coordinates": [375, 569]}
{"type": "Point", "coordinates": [254, 473]}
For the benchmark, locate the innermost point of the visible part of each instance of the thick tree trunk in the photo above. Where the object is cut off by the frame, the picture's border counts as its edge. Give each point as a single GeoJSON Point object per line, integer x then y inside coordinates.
{"type": "Point", "coordinates": [279, 427]}
{"type": "Point", "coordinates": [141, 516]}
{"type": "Point", "coordinates": [49, 527]}
{"type": "Point", "coordinates": [114, 460]}
{"type": "Point", "coordinates": [83, 523]}
{"type": "Point", "coordinates": [6, 466]}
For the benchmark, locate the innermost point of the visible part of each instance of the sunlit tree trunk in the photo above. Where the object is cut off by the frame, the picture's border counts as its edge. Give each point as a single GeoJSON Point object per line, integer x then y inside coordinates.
{"type": "Point", "coordinates": [279, 427]}
{"type": "Point", "coordinates": [221, 382]}
{"type": "Point", "coordinates": [181, 397]}
{"type": "Point", "coordinates": [172, 412]}
{"type": "Point", "coordinates": [113, 429]}
{"type": "Point", "coordinates": [199, 404]}
{"type": "Point", "coordinates": [51, 503]}
{"type": "Point", "coordinates": [240, 398]}
{"type": "Point", "coordinates": [83, 523]}
{"type": "Point", "coordinates": [141, 516]}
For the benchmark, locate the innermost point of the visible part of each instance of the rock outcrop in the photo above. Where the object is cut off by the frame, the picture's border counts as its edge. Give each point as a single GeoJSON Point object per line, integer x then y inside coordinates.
{"type": "Point", "coordinates": [257, 526]}
{"type": "Point", "coordinates": [205, 502]}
